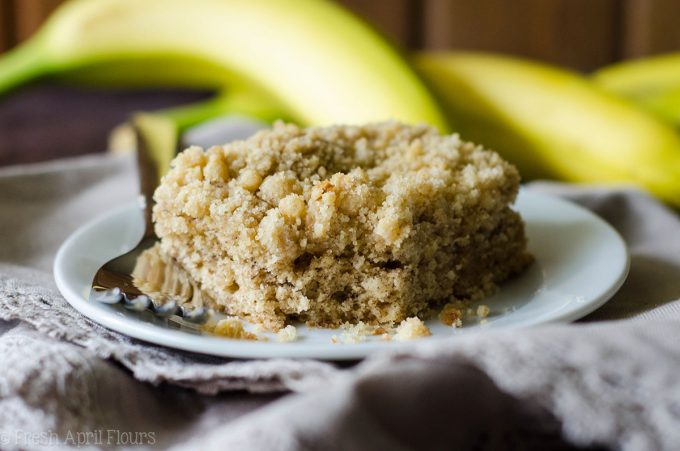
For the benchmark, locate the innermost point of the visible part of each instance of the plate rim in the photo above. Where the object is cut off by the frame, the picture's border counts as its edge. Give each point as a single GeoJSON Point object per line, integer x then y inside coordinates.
{"type": "Point", "coordinates": [155, 335]}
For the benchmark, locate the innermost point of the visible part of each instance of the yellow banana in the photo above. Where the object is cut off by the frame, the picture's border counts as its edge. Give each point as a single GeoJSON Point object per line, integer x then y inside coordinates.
{"type": "Point", "coordinates": [554, 123]}
{"type": "Point", "coordinates": [665, 104]}
{"type": "Point", "coordinates": [652, 82]}
{"type": "Point", "coordinates": [317, 61]}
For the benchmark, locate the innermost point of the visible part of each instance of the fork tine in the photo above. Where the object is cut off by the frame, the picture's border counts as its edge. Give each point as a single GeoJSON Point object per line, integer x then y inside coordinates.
{"type": "Point", "coordinates": [168, 309]}
{"type": "Point", "coordinates": [143, 302]}
{"type": "Point", "coordinates": [112, 296]}
{"type": "Point", "coordinates": [138, 304]}
{"type": "Point", "coordinates": [198, 315]}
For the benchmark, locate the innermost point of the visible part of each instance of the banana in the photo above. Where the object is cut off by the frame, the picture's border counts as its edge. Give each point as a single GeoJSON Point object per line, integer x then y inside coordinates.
{"type": "Point", "coordinates": [665, 104]}
{"type": "Point", "coordinates": [554, 123]}
{"type": "Point", "coordinates": [641, 77]}
{"type": "Point", "coordinates": [315, 60]}
{"type": "Point", "coordinates": [652, 82]}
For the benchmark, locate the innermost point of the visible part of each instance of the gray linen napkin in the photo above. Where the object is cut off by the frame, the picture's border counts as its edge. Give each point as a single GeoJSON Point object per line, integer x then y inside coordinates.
{"type": "Point", "coordinates": [65, 381]}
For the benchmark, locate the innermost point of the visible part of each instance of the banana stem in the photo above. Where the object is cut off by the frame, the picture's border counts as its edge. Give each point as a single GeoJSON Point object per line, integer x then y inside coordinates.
{"type": "Point", "coordinates": [21, 65]}
{"type": "Point", "coordinates": [246, 103]}
{"type": "Point", "coordinates": [187, 116]}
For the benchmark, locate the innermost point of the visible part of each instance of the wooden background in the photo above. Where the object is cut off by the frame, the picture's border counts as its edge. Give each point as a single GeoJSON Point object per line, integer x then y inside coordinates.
{"type": "Point", "coordinates": [581, 34]}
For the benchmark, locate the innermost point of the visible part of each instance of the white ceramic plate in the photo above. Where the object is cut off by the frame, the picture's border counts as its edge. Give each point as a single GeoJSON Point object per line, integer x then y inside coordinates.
{"type": "Point", "coordinates": [580, 263]}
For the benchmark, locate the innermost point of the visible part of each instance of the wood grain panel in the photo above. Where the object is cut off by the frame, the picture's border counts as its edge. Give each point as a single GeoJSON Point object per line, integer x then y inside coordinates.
{"type": "Point", "coordinates": [581, 34]}
{"type": "Point", "coordinates": [397, 19]}
{"type": "Point", "coordinates": [30, 14]}
{"type": "Point", "coordinates": [6, 25]}
{"type": "Point", "coordinates": [651, 26]}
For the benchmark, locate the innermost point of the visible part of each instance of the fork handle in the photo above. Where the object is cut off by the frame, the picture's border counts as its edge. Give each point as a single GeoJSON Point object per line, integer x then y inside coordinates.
{"type": "Point", "coordinates": [156, 146]}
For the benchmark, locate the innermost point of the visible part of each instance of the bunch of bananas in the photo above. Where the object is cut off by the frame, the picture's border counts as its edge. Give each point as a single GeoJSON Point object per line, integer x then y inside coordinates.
{"type": "Point", "coordinates": [312, 62]}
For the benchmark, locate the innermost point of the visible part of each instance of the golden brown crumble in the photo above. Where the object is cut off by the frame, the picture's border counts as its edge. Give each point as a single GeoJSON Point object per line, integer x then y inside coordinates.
{"type": "Point", "coordinates": [411, 329]}
{"type": "Point", "coordinates": [452, 314]}
{"type": "Point", "coordinates": [230, 328]}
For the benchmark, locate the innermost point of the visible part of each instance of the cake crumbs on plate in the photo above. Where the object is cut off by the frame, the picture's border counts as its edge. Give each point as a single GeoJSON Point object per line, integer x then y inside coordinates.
{"type": "Point", "coordinates": [231, 327]}
{"type": "Point", "coordinates": [356, 333]}
{"type": "Point", "coordinates": [452, 314]}
{"type": "Point", "coordinates": [287, 334]}
{"type": "Point", "coordinates": [411, 329]}
{"type": "Point", "coordinates": [483, 311]}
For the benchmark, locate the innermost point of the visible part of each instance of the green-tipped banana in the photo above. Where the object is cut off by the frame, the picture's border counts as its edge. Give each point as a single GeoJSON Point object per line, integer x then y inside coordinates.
{"type": "Point", "coordinates": [249, 104]}
{"type": "Point", "coordinates": [148, 72]}
{"type": "Point", "coordinates": [652, 82]}
{"type": "Point", "coordinates": [551, 122]}
{"type": "Point", "coordinates": [320, 63]}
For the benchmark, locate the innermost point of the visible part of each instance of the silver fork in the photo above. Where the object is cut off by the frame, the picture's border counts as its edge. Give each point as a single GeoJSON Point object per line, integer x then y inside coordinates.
{"type": "Point", "coordinates": [113, 283]}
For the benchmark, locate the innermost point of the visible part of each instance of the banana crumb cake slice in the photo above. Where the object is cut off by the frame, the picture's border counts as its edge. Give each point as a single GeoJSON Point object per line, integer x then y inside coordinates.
{"type": "Point", "coordinates": [373, 223]}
